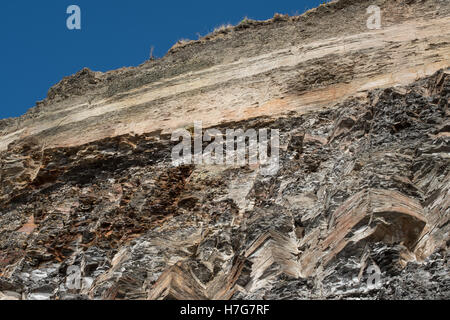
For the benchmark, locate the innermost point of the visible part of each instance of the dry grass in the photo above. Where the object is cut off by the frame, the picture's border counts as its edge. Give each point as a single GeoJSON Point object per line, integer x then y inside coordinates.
{"type": "Point", "coordinates": [225, 28]}
{"type": "Point", "coordinates": [181, 43]}
{"type": "Point", "coordinates": [280, 17]}
{"type": "Point", "coordinates": [245, 22]}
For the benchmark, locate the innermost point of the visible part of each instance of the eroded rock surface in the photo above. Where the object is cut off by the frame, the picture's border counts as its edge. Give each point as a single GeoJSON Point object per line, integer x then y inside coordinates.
{"type": "Point", "coordinates": [87, 183]}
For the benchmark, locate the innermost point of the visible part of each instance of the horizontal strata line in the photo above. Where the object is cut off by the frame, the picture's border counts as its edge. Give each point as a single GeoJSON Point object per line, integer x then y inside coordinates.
{"type": "Point", "coordinates": [311, 101]}
{"type": "Point", "coordinates": [252, 66]}
{"type": "Point", "coordinates": [246, 68]}
{"type": "Point", "coordinates": [305, 102]}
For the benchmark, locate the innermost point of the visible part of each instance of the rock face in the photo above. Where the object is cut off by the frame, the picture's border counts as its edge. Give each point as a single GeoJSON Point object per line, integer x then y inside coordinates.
{"type": "Point", "coordinates": [91, 206]}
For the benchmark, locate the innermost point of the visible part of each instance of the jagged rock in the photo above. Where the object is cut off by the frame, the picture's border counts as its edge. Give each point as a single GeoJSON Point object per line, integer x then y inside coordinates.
{"type": "Point", "coordinates": [88, 188]}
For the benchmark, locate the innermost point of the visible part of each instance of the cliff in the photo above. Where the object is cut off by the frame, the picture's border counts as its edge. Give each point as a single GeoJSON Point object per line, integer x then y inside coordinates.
{"type": "Point", "coordinates": [88, 186]}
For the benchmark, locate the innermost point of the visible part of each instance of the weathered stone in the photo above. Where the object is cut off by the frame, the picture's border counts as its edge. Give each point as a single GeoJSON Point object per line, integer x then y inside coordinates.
{"type": "Point", "coordinates": [88, 188]}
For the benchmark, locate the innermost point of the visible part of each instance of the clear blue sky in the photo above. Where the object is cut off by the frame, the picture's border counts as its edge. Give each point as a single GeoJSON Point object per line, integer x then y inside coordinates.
{"type": "Point", "coordinates": [37, 49]}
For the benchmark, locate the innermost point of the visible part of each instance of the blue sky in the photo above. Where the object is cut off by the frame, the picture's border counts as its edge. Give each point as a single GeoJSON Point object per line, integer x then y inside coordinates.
{"type": "Point", "coordinates": [37, 49]}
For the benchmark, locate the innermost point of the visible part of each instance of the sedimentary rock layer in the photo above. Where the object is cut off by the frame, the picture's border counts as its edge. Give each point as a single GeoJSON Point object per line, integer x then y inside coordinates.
{"type": "Point", "coordinates": [87, 181]}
